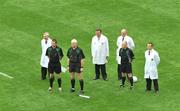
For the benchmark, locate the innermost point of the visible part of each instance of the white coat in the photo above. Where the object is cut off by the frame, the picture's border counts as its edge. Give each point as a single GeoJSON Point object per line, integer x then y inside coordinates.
{"type": "Point", "coordinates": [130, 44]}
{"type": "Point", "coordinates": [151, 64]}
{"type": "Point", "coordinates": [99, 49]}
{"type": "Point", "coordinates": [44, 59]}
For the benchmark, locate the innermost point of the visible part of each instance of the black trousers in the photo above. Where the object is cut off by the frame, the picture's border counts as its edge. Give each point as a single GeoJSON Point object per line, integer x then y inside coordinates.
{"type": "Point", "coordinates": [119, 72]}
{"type": "Point", "coordinates": [43, 73]}
{"type": "Point", "coordinates": [102, 69]}
{"type": "Point", "coordinates": [149, 82]}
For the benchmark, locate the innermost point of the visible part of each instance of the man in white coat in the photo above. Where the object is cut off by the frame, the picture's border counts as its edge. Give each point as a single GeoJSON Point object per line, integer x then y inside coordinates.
{"type": "Point", "coordinates": [130, 44]}
{"type": "Point", "coordinates": [151, 64]}
{"type": "Point", "coordinates": [45, 43]}
{"type": "Point", "coordinates": [100, 54]}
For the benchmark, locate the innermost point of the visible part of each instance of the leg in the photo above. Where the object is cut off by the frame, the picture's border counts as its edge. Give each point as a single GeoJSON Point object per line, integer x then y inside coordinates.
{"type": "Point", "coordinates": [81, 81]}
{"type": "Point", "coordinates": [72, 80]}
{"type": "Point", "coordinates": [103, 71]}
{"type": "Point", "coordinates": [59, 80]}
{"type": "Point", "coordinates": [123, 79]}
{"type": "Point", "coordinates": [119, 72]}
{"type": "Point", "coordinates": [156, 87]}
{"type": "Point", "coordinates": [43, 73]}
{"type": "Point", "coordinates": [130, 77]}
{"type": "Point", "coordinates": [51, 79]}
{"type": "Point", "coordinates": [148, 84]}
{"type": "Point", "coordinates": [97, 71]}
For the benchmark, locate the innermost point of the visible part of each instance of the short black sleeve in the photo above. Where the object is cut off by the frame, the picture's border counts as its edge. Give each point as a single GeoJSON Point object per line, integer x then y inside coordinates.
{"type": "Point", "coordinates": [61, 52]}
{"type": "Point", "coordinates": [68, 52]}
{"type": "Point", "coordinates": [82, 54]}
{"type": "Point", "coordinates": [47, 52]}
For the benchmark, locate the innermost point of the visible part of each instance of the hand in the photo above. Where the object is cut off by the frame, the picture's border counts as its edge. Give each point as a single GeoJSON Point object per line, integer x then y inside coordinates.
{"type": "Point", "coordinates": [107, 57]}
{"type": "Point", "coordinates": [81, 69]}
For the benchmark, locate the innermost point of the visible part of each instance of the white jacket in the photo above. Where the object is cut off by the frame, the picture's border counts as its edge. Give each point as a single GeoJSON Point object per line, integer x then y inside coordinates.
{"type": "Point", "coordinates": [99, 49]}
{"type": "Point", "coordinates": [151, 64]}
{"type": "Point", "coordinates": [44, 59]}
{"type": "Point", "coordinates": [130, 44]}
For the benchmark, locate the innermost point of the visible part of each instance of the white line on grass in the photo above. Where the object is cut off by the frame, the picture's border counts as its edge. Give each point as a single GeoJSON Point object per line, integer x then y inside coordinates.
{"type": "Point", "coordinates": [5, 75]}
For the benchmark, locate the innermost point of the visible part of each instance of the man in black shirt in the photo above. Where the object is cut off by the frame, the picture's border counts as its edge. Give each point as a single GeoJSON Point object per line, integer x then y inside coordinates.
{"type": "Point", "coordinates": [75, 64]}
{"type": "Point", "coordinates": [55, 54]}
{"type": "Point", "coordinates": [127, 56]}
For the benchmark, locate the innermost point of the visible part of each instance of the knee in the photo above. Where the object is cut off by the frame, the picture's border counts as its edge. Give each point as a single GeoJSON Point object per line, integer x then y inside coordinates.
{"type": "Point", "coordinates": [51, 76]}
{"type": "Point", "coordinates": [123, 75]}
{"type": "Point", "coordinates": [72, 76]}
{"type": "Point", "coordinates": [130, 75]}
{"type": "Point", "coordinates": [79, 76]}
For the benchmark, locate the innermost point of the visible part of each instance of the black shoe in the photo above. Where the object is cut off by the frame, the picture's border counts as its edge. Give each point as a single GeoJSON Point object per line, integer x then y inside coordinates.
{"type": "Point", "coordinates": [121, 85]}
{"type": "Point", "coordinates": [131, 87]}
{"type": "Point", "coordinates": [81, 92]}
{"type": "Point", "coordinates": [105, 79]}
{"type": "Point", "coordinates": [119, 79]}
{"type": "Point", "coordinates": [43, 78]}
{"type": "Point", "coordinates": [148, 90]}
{"type": "Point", "coordinates": [156, 92]}
{"type": "Point", "coordinates": [72, 90]}
{"type": "Point", "coordinates": [95, 78]}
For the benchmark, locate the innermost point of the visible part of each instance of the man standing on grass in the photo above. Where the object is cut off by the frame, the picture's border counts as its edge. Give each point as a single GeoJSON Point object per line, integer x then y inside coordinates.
{"type": "Point", "coordinates": [127, 56]}
{"type": "Point", "coordinates": [130, 44]}
{"type": "Point", "coordinates": [75, 64]}
{"type": "Point", "coordinates": [55, 54]}
{"type": "Point", "coordinates": [100, 54]}
{"type": "Point", "coordinates": [151, 64]}
{"type": "Point", "coordinates": [45, 43]}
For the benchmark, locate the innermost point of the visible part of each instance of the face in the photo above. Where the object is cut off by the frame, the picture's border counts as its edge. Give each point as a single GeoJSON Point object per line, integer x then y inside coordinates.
{"type": "Point", "coordinates": [46, 35]}
{"type": "Point", "coordinates": [74, 45]}
{"type": "Point", "coordinates": [123, 33]}
{"type": "Point", "coordinates": [54, 44]}
{"type": "Point", "coordinates": [149, 46]}
{"type": "Point", "coordinates": [98, 33]}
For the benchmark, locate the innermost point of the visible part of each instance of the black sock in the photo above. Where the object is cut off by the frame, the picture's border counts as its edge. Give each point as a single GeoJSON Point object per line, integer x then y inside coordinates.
{"type": "Point", "coordinates": [72, 83]}
{"type": "Point", "coordinates": [131, 81]}
{"type": "Point", "coordinates": [59, 82]}
{"type": "Point", "coordinates": [81, 84]}
{"type": "Point", "coordinates": [123, 80]}
{"type": "Point", "coordinates": [51, 80]}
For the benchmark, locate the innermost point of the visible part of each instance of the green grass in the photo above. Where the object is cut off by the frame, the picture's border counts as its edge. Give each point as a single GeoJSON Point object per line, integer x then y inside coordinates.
{"type": "Point", "coordinates": [22, 23]}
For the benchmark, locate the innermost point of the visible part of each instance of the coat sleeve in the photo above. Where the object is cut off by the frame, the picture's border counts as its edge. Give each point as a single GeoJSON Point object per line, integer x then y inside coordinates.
{"type": "Point", "coordinates": [132, 44]}
{"type": "Point", "coordinates": [92, 47]}
{"type": "Point", "coordinates": [157, 58]}
{"type": "Point", "coordinates": [117, 43]}
{"type": "Point", "coordinates": [107, 48]}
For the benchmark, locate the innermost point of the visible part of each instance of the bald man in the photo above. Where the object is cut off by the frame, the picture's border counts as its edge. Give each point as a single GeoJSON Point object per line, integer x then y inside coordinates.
{"type": "Point", "coordinates": [127, 56]}
{"type": "Point", "coordinates": [130, 44]}
{"type": "Point", "coordinates": [75, 64]}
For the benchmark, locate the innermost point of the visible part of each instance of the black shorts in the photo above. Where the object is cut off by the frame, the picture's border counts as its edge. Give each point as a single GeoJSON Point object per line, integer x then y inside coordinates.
{"type": "Point", "coordinates": [75, 67]}
{"type": "Point", "coordinates": [54, 67]}
{"type": "Point", "coordinates": [126, 68]}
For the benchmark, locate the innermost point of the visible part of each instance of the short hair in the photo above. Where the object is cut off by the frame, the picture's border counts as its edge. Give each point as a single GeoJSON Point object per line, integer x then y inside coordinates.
{"type": "Point", "coordinates": [54, 40]}
{"type": "Point", "coordinates": [150, 43]}
{"type": "Point", "coordinates": [46, 34]}
{"type": "Point", "coordinates": [98, 29]}
{"type": "Point", "coordinates": [74, 41]}
{"type": "Point", "coordinates": [123, 30]}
